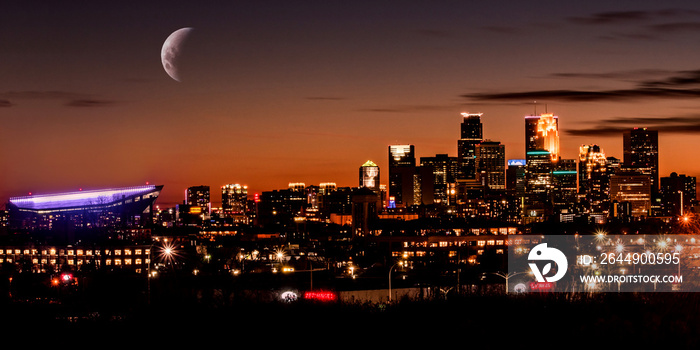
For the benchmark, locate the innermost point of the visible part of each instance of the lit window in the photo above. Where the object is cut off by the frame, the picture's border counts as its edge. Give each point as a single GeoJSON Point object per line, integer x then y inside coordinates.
{"type": "Point", "coordinates": [139, 262]}
{"type": "Point", "coordinates": [70, 252]}
{"type": "Point", "coordinates": [80, 252]}
{"type": "Point", "coordinates": [117, 261]}
{"type": "Point", "coordinates": [137, 252]}
{"type": "Point", "coordinates": [127, 261]}
{"type": "Point", "coordinates": [127, 251]}
{"type": "Point", "coordinates": [481, 243]}
{"type": "Point", "coordinates": [118, 252]}
{"type": "Point", "coordinates": [108, 262]}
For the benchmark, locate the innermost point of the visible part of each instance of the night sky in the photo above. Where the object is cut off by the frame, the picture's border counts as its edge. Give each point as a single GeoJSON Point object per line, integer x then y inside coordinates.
{"type": "Point", "coordinates": [274, 92]}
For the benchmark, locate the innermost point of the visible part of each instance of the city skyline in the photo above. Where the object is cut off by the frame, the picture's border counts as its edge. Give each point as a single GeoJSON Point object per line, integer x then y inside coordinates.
{"type": "Point", "coordinates": [274, 93]}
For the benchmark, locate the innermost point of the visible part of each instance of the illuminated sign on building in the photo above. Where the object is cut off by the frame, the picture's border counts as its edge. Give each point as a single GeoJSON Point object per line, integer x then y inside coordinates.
{"type": "Point", "coordinates": [320, 295]}
{"type": "Point", "coordinates": [516, 162]}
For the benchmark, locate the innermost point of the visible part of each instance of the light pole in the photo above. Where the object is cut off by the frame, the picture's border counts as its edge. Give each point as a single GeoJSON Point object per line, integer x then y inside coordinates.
{"type": "Point", "coordinates": [507, 276]}
{"type": "Point", "coordinates": [390, 269]}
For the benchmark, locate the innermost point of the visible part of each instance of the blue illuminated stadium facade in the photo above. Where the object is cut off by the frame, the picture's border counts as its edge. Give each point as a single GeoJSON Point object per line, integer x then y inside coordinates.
{"type": "Point", "coordinates": [113, 207]}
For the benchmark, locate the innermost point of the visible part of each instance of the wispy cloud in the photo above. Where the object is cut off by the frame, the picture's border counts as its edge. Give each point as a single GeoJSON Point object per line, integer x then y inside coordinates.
{"type": "Point", "coordinates": [613, 17]}
{"type": "Point", "coordinates": [627, 17]}
{"type": "Point", "coordinates": [325, 98]}
{"type": "Point", "coordinates": [642, 25]}
{"type": "Point", "coordinates": [69, 98]}
{"type": "Point", "coordinates": [88, 103]}
{"type": "Point", "coordinates": [659, 84]}
{"type": "Point", "coordinates": [410, 108]}
{"type": "Point", "coordinates": [615, 126]}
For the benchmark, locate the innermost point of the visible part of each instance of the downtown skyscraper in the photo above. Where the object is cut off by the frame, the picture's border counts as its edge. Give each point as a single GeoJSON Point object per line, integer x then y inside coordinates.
{"type": "Point", "coordinates": [641, 154]}
{"type": "Point", "coordinates": [402, 170]}
{"type": "Point", "coordinates": [470, 136]}
{"type": "Point", "coordinates": [541, 154]}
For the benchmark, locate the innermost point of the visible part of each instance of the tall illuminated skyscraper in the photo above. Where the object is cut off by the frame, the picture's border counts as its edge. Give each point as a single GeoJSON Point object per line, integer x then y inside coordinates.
{"type": "Point", "coordinates": [542, 134]}
{"type": "Point", "coordinates": [594, 178]}
{"type": "Point", "coordinates": [491, 164]}
{"type": "Point", "coordinates": [199, 196]}
{"type": "Point", "coordinates": [633, 188]}
{"type": "Point", "coordinates": [444, 172]}
{"type": "Point", "coordinates": [641, 153]}
{"type": "Point", "coordinates": [402, 170]}
{"type": "Point", "coordinates": [234, 198]}
{"type": "Point", "coordinates": [541, 154]}
{"type": "Point", "coordinates": [369, 176]}
{"type": "Point", "coordinates": [471, 135]}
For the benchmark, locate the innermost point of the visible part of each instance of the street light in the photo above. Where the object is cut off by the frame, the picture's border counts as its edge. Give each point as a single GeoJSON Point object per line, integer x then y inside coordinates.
{"type": "Point", "coordinates": [390, 269]}
{"type": "Point", "coordinates": [507, 276]}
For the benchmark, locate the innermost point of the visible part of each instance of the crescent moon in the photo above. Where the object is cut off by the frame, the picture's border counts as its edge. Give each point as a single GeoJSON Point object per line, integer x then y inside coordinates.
{"type": "Point", "coordinates": [171, 51]}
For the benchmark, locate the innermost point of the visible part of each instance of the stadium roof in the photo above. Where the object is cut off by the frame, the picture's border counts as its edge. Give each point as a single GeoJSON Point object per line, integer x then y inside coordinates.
{"type": "Point", "coordinates": [78, 199]}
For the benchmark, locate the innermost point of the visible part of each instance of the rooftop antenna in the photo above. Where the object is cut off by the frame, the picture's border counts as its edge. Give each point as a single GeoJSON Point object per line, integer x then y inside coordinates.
{"type": "Point", "coordinates": [545, 108]}
{"type": "Point", "coordinates": [535, 104]}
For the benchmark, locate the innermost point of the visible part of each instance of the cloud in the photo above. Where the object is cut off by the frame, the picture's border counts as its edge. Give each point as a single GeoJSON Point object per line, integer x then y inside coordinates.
{"type": "Point", "coordinates": [409, 108]}
{"type": "Point", "coordinates": [41, 95]}
{"type": "Point", "coordinates": [437, 33]}
{"type": "Point", "coordinates": [618, 17]}
{"type": "Point", "coordinates": [637, 74]}
{"type": "Point", "coordinates": [616, 126]}
{"type": "Point", "coordinates": [613, 17]}
{"type": "Point", "coordinates": [667, 85]}
{"type": "Point", "coordinates": [325, 98]}
{"type": "Point", "coordinates": [676, 27]}
{"type": "Point", "coordinates": [88, 103]}
{"type": "Point", "coordinates": [587, 96]}
{"type": "Point", "coordinates": [71, 99]}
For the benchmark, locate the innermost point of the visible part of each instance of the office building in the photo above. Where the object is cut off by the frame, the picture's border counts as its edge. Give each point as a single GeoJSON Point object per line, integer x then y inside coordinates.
{"type": "Point", "coordinates": [594, 178]}
{"type": "Point", "coordinates": [641, 153]}
{"type": "Point", "coordinates": [369, 176]}
{"type": "Point", "coordinates": [677, 193]}
{"type": "Point", "coordinates": [234, 202]}
{"type": "Point", "coordinates": [199, 196]}
{"type": "Point", "coordinates": [491, 165]}
{"type": "Point", "coordinates": [633, 188]}
{"type": "Point", "coordinates": [444, 170]}
{"type": "Point", "coordinates": [402, 170]}
{"type": "Point", "coordinates": [470, 136]}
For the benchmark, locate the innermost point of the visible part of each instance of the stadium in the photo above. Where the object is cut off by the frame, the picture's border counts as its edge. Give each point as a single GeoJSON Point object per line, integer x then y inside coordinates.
{"type": "Point", "coordinates": [112, 207]}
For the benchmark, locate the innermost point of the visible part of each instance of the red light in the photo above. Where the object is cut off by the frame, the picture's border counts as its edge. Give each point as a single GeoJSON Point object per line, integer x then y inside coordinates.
{"type": "Point", "coordinates": [320, 296]}
{"type": "Point", "coordinates": [66, 277]}
{"type": "Point", "coordinates": [256, 197]}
